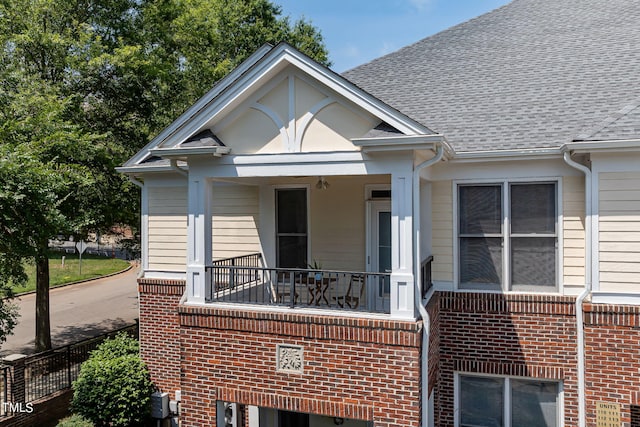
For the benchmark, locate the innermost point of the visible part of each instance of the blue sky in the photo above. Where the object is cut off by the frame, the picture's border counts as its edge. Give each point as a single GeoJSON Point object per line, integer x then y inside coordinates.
{"type": "Point", "coordinates": [357, 31]}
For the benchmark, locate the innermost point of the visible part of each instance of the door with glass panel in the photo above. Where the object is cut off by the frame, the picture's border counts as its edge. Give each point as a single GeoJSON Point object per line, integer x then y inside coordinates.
{"type": "Point", "coordinates": [291, 227]}
{"type": "Point", "coordinates": [379, 252]}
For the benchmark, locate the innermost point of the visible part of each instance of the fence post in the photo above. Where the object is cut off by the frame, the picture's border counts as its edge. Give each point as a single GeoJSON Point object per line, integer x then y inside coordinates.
{"type": "Point", "coordinates": [17, 378]}
{"type": "Point", "coordinates": [292, 287]}
{"type": "Point", "coordinates": [69, 366]}
{"type": "Point", "coordinates": [232, 274]}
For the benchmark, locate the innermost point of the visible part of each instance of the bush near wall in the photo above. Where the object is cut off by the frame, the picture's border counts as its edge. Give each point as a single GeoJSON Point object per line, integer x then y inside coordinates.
{"type": "Point", "coordinates": [75, 421]}
{"type": "Point", "coordinates": [114, 387]}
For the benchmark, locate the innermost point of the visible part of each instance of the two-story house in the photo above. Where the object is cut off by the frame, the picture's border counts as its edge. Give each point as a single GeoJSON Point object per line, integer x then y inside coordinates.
{"type": "Point", "coordinates": [448, 235]}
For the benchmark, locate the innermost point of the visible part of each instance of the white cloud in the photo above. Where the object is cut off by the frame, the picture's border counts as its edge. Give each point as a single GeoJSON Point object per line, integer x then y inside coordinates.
{"type": "Point", "coordinates": [387, 47]}
{"type": "Point", "coordinates": [421, 5]}
{"type": "Point", "coordinates": [351, 51]}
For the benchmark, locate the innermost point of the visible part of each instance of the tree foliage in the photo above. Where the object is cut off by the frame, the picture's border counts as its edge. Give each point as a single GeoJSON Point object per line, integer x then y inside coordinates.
{"type": "Point", "coordinates": [114, 387]}
{"type": "Point", "coordinates": [84, 84]}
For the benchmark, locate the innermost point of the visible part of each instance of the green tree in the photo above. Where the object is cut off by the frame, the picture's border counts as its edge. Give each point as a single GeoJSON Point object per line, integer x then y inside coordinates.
{"type": "Point", "coordinates": [50, 178]}
{"type": "Point", "coordinates": [167, 54]}
{"type": "Point", "coordinates": [84, 84]}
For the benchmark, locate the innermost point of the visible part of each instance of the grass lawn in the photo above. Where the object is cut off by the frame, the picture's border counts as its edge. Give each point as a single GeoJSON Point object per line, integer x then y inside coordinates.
{"type": "Point", "coordinates": [92, 266]}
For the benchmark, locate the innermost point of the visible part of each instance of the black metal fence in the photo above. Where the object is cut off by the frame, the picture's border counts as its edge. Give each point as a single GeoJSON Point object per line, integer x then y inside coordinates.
{"type": "Point", "coordinates": [292, 287]}
{"type": "Point", "coordinates": [245, 272]}
{"type": "Point", "coordinates": [37, 376]}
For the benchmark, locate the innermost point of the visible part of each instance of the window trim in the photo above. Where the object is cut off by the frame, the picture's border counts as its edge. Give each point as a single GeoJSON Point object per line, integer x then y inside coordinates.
{"type": "Point", "coordinates": [506, 393]}
{"type": "Point", "coordinates": [505, 235]}
{"type": "Point", "coordinates": [274, 217]}
{"type": "Point", "coordinates": [370, 188]}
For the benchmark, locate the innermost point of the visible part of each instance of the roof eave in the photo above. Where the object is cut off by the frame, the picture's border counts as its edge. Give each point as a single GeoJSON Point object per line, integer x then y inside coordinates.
{"type": "Point", "coordinates": [140, 169]}
{"type": "Point", "coordinates": [620, 145]}
{"type": "Point", "coordinates": [505, 155]}
{"type": "Point", "coordinates": [401, 143]}
{"type": "Point", "coordinates": [184, 153]}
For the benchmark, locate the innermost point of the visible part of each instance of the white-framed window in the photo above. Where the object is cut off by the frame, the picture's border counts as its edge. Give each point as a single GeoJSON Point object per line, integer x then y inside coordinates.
{"type": "Point", "coordinates": [502, 401]}
{"type": "Point", "coordinates": [507, 236]}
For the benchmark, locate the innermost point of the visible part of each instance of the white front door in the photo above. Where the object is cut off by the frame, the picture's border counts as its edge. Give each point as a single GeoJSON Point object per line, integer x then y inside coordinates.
{"type": "Point", "coordinates": [379, 251]}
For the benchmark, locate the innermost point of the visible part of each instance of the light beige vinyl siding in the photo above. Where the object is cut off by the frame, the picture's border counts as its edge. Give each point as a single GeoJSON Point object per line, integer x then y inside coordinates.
{"type": "Point", "coordinates": [442, 235]}
{"type": "Point", "coordinates": [235, 211]}
{"type": "Point", "coordinates": [167, 213]}
{"type": "Point", "coordinates": [619, 231]}
{"type": "Point", "coordinates": [573, 230]}
{"type": "Point", "coordinates": [338, 226]}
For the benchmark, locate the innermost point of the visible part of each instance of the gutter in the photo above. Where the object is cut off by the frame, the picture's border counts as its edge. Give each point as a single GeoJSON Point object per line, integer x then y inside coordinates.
{"type": "Point", "coordinates": [587, 287]}
{"type": "Point", "coordinates": [174, 165]}
{"type": "Point", "coordinates": [135, 181]}
{"type": "Point", "coordinates": [141, 185]}
{"type": "Point", "coordinates": [426, 320]}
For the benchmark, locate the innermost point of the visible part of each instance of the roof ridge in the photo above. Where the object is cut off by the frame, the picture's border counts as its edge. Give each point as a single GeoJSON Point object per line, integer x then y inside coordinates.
{"type": "Point", "coordinates": [589, 132]}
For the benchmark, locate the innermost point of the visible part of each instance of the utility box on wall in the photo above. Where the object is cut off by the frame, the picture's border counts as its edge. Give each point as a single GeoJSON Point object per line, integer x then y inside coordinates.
{"type": "Point", "coordinates": [160, 405]}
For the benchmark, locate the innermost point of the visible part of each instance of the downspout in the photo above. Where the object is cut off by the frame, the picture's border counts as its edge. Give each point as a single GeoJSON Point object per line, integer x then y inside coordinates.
{"type": "Point", "coordinates": [135, 181]}
{"type": "Point", "coordinates": [141, 185]}
{"type": "Point", "coordinates": [587, 288]}
{"type": "Point", "coordinates": [426, 320]}
{"type": "Point", "coordinates": [174, 165]}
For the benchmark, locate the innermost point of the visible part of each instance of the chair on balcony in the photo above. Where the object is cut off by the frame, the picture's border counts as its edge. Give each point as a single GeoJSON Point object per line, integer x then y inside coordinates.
{"type": "Point", "coordinates": [354, 294]}
{"type": "Point", "coordinates": [283, 287]}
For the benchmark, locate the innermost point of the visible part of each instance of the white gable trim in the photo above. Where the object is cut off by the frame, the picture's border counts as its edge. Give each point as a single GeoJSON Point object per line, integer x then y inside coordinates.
{"type": "Point", "coordinates": [277, 121]}
{"type": "Point", "coordinates": [259, 68]}
{"type": "Point", "coordinates": [351, 92]}
{"type": "Point", "coordinates": [291, 131]}
{"type": "Point", "coordinates": [223, 84]}
{"type": "Point", "coordinates": [306, 120]}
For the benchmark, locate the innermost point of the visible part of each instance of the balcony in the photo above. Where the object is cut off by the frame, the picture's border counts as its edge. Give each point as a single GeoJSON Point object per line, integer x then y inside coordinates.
{"type": "Point", "coordinates": [244, 280]}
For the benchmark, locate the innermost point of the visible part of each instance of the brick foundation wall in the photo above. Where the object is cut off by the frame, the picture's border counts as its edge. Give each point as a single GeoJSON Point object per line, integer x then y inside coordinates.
{"type": "Point", "coordinates": [612, 341]}
{"type": "Point", "coordinates": [520, 335]}
{"type": "Point", "coordinates": [160, 331]}
{"type": "Point", "coordinates": [353, 368]}
{"type": "Point", "coordinates": [434, 340]}
{"type": "Point", "coordinates": [370, 369]}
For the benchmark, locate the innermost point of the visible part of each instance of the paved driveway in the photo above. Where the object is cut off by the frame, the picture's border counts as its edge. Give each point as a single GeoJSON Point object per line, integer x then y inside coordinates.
{"type": "Point", "coordinates": [78, 311]}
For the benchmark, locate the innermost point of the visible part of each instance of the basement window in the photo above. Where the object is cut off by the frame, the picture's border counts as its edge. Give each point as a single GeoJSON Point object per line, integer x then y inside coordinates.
{"type": "Point", "coordinates": [493, 401]}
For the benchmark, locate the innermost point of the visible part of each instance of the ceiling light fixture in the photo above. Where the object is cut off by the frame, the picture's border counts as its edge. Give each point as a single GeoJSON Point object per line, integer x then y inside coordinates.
{"type": "Point", "coordinates": [322, 183]}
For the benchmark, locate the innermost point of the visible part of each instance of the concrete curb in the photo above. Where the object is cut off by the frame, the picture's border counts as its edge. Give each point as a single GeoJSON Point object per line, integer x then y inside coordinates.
{"type": "Point", "coordinates": [63, 285]}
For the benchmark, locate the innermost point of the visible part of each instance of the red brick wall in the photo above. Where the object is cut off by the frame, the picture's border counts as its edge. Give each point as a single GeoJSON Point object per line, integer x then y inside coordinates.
{"type": "Point", "coordinates": [520, 335]}
{"type": "Point", "coordinates": [434, 340]}
{"type": "Point", "coordinates": [353, 368]}
{"type": "Point", "coordinates": [370, 369]}
{"type": "Point", "coordinates": [160, 331]}
{"type": "Point", "coordinates": [612, 340]}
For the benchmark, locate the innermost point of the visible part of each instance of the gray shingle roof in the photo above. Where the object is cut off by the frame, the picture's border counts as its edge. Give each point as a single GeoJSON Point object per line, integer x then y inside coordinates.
{"type": "Point", "coordinates": [623, 124]}
{"type": "Point", "coordinates": [206, 138]}
{"type": "Point", "coordinates": [531, 74]}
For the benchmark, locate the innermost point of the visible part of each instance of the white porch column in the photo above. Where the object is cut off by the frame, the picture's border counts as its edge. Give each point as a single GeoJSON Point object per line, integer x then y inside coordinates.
{"type": "Point", "coordinates": [402, 292]}
{"type": "Point", "coordinates": [199, 254]}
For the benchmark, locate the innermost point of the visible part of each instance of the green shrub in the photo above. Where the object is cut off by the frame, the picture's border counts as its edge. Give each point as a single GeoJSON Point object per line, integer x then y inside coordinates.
{"type": "Point", "coordinates": [75, 421]}
{"type": "Point", "coordinates": [114, 388]}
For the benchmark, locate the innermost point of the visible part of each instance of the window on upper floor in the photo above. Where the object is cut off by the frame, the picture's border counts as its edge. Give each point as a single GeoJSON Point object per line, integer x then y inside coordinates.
{"type": "Point", "coordinates": [492, 401]}
{"type": "Point", "coordinates": [507, 236]}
